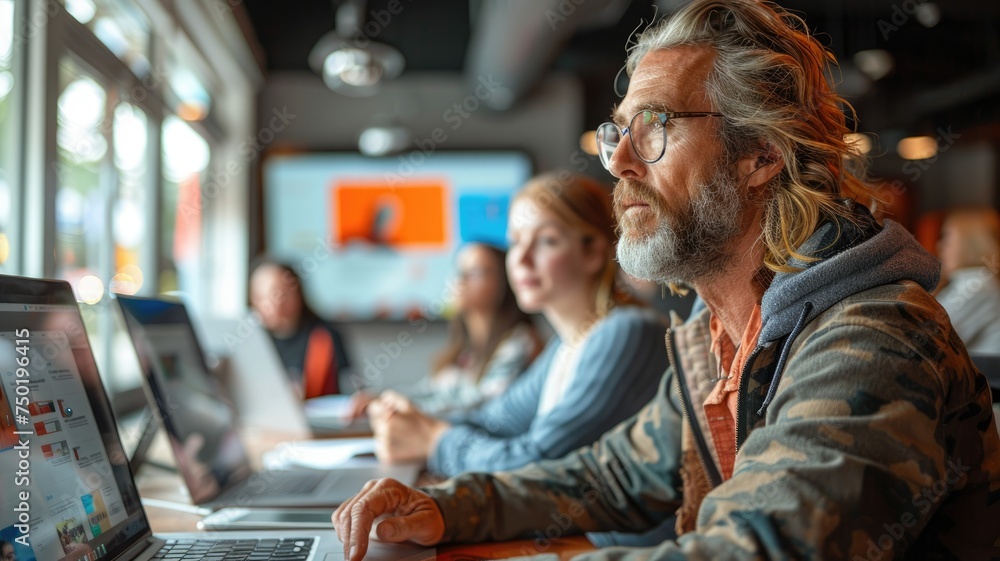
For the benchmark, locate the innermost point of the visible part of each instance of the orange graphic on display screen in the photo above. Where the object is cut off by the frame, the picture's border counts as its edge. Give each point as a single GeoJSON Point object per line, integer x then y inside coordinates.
{"type": "Point", "coordinates": [408, 214]}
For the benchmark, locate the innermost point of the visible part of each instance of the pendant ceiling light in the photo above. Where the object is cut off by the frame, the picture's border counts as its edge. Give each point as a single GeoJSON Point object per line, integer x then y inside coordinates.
{"type": "Point", "coordinates": [350, 62]}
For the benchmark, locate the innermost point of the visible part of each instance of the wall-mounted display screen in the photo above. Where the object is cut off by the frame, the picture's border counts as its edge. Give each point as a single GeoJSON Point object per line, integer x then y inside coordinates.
{"type": "Point", "coordinates": [375, 238]}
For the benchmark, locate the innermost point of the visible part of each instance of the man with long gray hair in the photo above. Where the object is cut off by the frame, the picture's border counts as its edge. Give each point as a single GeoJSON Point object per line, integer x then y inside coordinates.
{"type": "Point", "coordinates": [827, 409]}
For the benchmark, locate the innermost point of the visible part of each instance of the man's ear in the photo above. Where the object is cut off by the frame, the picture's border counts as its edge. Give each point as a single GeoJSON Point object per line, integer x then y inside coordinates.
{"type": "Point", "coordinates": [760, 166]}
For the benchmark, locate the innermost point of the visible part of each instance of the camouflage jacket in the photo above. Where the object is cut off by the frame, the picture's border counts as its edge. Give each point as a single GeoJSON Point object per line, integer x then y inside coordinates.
{"type": "Point", "coordinates": [863, 433]}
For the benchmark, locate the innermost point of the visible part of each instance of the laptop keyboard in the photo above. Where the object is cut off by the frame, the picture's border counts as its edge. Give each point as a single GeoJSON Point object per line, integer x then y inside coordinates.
{"type": "Point", "coordinates": [285, 549]}
{"type": "Point", "coordinates": [291, 483]}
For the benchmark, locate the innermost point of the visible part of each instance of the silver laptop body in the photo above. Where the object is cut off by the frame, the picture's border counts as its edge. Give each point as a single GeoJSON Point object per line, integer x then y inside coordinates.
{"type": "Point", "coordinates": [78, 492]}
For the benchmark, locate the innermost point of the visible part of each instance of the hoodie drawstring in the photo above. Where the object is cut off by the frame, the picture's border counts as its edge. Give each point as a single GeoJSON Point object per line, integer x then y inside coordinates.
{"type": "Point", "coordinates": [783, 357]}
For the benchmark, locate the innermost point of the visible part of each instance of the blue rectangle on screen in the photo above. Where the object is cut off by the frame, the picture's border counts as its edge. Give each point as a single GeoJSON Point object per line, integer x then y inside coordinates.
{"type": "Point", "coordinates": [483, 218]}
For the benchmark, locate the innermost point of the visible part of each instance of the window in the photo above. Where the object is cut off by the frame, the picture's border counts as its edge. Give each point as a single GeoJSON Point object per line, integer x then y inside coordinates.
{"type": "Point", "coordinates": [190, 98]}
{"type": "Point", "coordinates": [129, 228]}
{"type": "Point", "coordinates": [8, 131]}
{"type": "Point", "coordinates": [120, 25]}
{"type": "Point", "coordinates": [102, 162]}
{"type": "Point", "coordinates": [186, 156]}
{"type": "Point", "coordinates": [81, 198]}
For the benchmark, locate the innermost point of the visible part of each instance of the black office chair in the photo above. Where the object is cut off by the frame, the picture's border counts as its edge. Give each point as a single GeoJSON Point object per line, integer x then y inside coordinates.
{"type": "Point", "coordinates": [989, 365]}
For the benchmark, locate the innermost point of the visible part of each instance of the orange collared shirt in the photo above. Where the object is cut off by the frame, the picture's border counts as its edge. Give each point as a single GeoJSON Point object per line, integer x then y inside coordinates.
{"type": "Point", "coordinates": [720, 406]}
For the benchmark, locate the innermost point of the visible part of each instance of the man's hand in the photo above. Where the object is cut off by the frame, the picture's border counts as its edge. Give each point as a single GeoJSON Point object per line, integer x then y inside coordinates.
{"type": "Point", "coordinates": [411, 516]}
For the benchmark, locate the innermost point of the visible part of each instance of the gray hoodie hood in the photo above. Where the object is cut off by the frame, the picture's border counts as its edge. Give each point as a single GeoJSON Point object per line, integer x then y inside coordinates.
{"type": "Point", "coordinates": [854, 259]}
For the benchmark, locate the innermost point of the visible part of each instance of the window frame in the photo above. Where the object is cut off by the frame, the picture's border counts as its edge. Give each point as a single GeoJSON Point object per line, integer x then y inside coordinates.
{"type": "Point", "coordinates": [15, 173]}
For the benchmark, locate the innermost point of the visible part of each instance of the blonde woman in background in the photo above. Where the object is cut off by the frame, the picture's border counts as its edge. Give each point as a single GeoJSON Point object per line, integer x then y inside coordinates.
{"type": "Point", "coordinates": [604, 362]}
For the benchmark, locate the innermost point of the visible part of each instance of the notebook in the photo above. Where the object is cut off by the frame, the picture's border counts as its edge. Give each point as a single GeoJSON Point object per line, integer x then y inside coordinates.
{"type": "Point", "coordinates": [201, 426]}
{"type": "Point", "coordinates": [68, 492]}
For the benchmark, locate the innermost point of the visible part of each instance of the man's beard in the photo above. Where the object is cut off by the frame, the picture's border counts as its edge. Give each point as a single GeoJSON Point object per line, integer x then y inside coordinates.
{"type": "Point", "coordinates": [686, 246]}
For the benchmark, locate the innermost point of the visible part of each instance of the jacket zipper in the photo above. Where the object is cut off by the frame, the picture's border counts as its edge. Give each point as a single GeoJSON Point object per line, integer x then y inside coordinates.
{"type": "Point", "coordinates": [742, 391]}
{"type": "Point", "coordinates": [710, 468]}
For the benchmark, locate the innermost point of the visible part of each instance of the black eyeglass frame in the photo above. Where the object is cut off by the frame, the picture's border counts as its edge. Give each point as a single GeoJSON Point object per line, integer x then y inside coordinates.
{"type": "Point", "coordinates": [663, 117]}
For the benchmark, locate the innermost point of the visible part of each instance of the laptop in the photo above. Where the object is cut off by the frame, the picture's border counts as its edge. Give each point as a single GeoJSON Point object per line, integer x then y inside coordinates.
{"type": "Point", "coordinates": [68, 492]}
{"type": "Point", "coordinates": [200, 424]}
{"type": "Point", "coordinates": [258, 383]}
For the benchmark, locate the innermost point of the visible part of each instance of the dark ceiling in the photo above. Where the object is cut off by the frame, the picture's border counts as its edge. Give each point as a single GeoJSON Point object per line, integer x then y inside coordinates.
{"type": "Point", "coordinates": [431, 34]}
{"type": "Point", "coordinates": [945, 75]}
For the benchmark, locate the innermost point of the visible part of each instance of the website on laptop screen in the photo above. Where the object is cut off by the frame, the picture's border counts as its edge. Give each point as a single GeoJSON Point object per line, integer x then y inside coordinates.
{"type": "Point", "coordinates": [199, 423]}
{"type": "Point", "coordinates": [67, 489]}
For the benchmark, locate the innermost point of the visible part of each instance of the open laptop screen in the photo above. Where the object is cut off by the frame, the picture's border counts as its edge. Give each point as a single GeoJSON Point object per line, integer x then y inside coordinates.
{"type": "Point", "coordinates": [67, 488]}
{"type": "Point", "coordinates": [199, 423]}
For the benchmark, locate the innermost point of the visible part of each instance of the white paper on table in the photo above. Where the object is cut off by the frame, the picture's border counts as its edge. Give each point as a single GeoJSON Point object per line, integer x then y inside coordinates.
{"type": "Point", "coordinates": [329, 406]}
{"type": "Point", "coordinates": [317, 454]}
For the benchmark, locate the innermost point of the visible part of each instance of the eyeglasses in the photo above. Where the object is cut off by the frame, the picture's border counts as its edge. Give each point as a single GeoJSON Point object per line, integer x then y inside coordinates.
{"type": "Point", "coordinates": [646, 130]}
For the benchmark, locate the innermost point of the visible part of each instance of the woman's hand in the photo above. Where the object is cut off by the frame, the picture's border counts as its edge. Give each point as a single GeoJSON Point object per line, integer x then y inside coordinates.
{"type": "Point", "coordinates": [390, 402]}
{"type": "Point", "coordinates": [412, 516]}
{"type": "Point", "coordinates": [360, 400]}
{"type": "Point", "coordinates": [406, 436]}
{"type": "Point", "coordinates": [387, 404]}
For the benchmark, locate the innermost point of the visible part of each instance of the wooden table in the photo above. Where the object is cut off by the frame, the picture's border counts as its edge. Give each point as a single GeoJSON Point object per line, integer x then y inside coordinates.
{"type": "Point", "coordinates": [155, 483]}
{"type": "Point", "coordinates": [565, 548]}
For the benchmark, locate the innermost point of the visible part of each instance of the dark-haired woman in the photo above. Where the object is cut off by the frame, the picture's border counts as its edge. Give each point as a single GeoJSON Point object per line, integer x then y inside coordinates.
{"type": "Point", "coordinates": [311, 349]}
